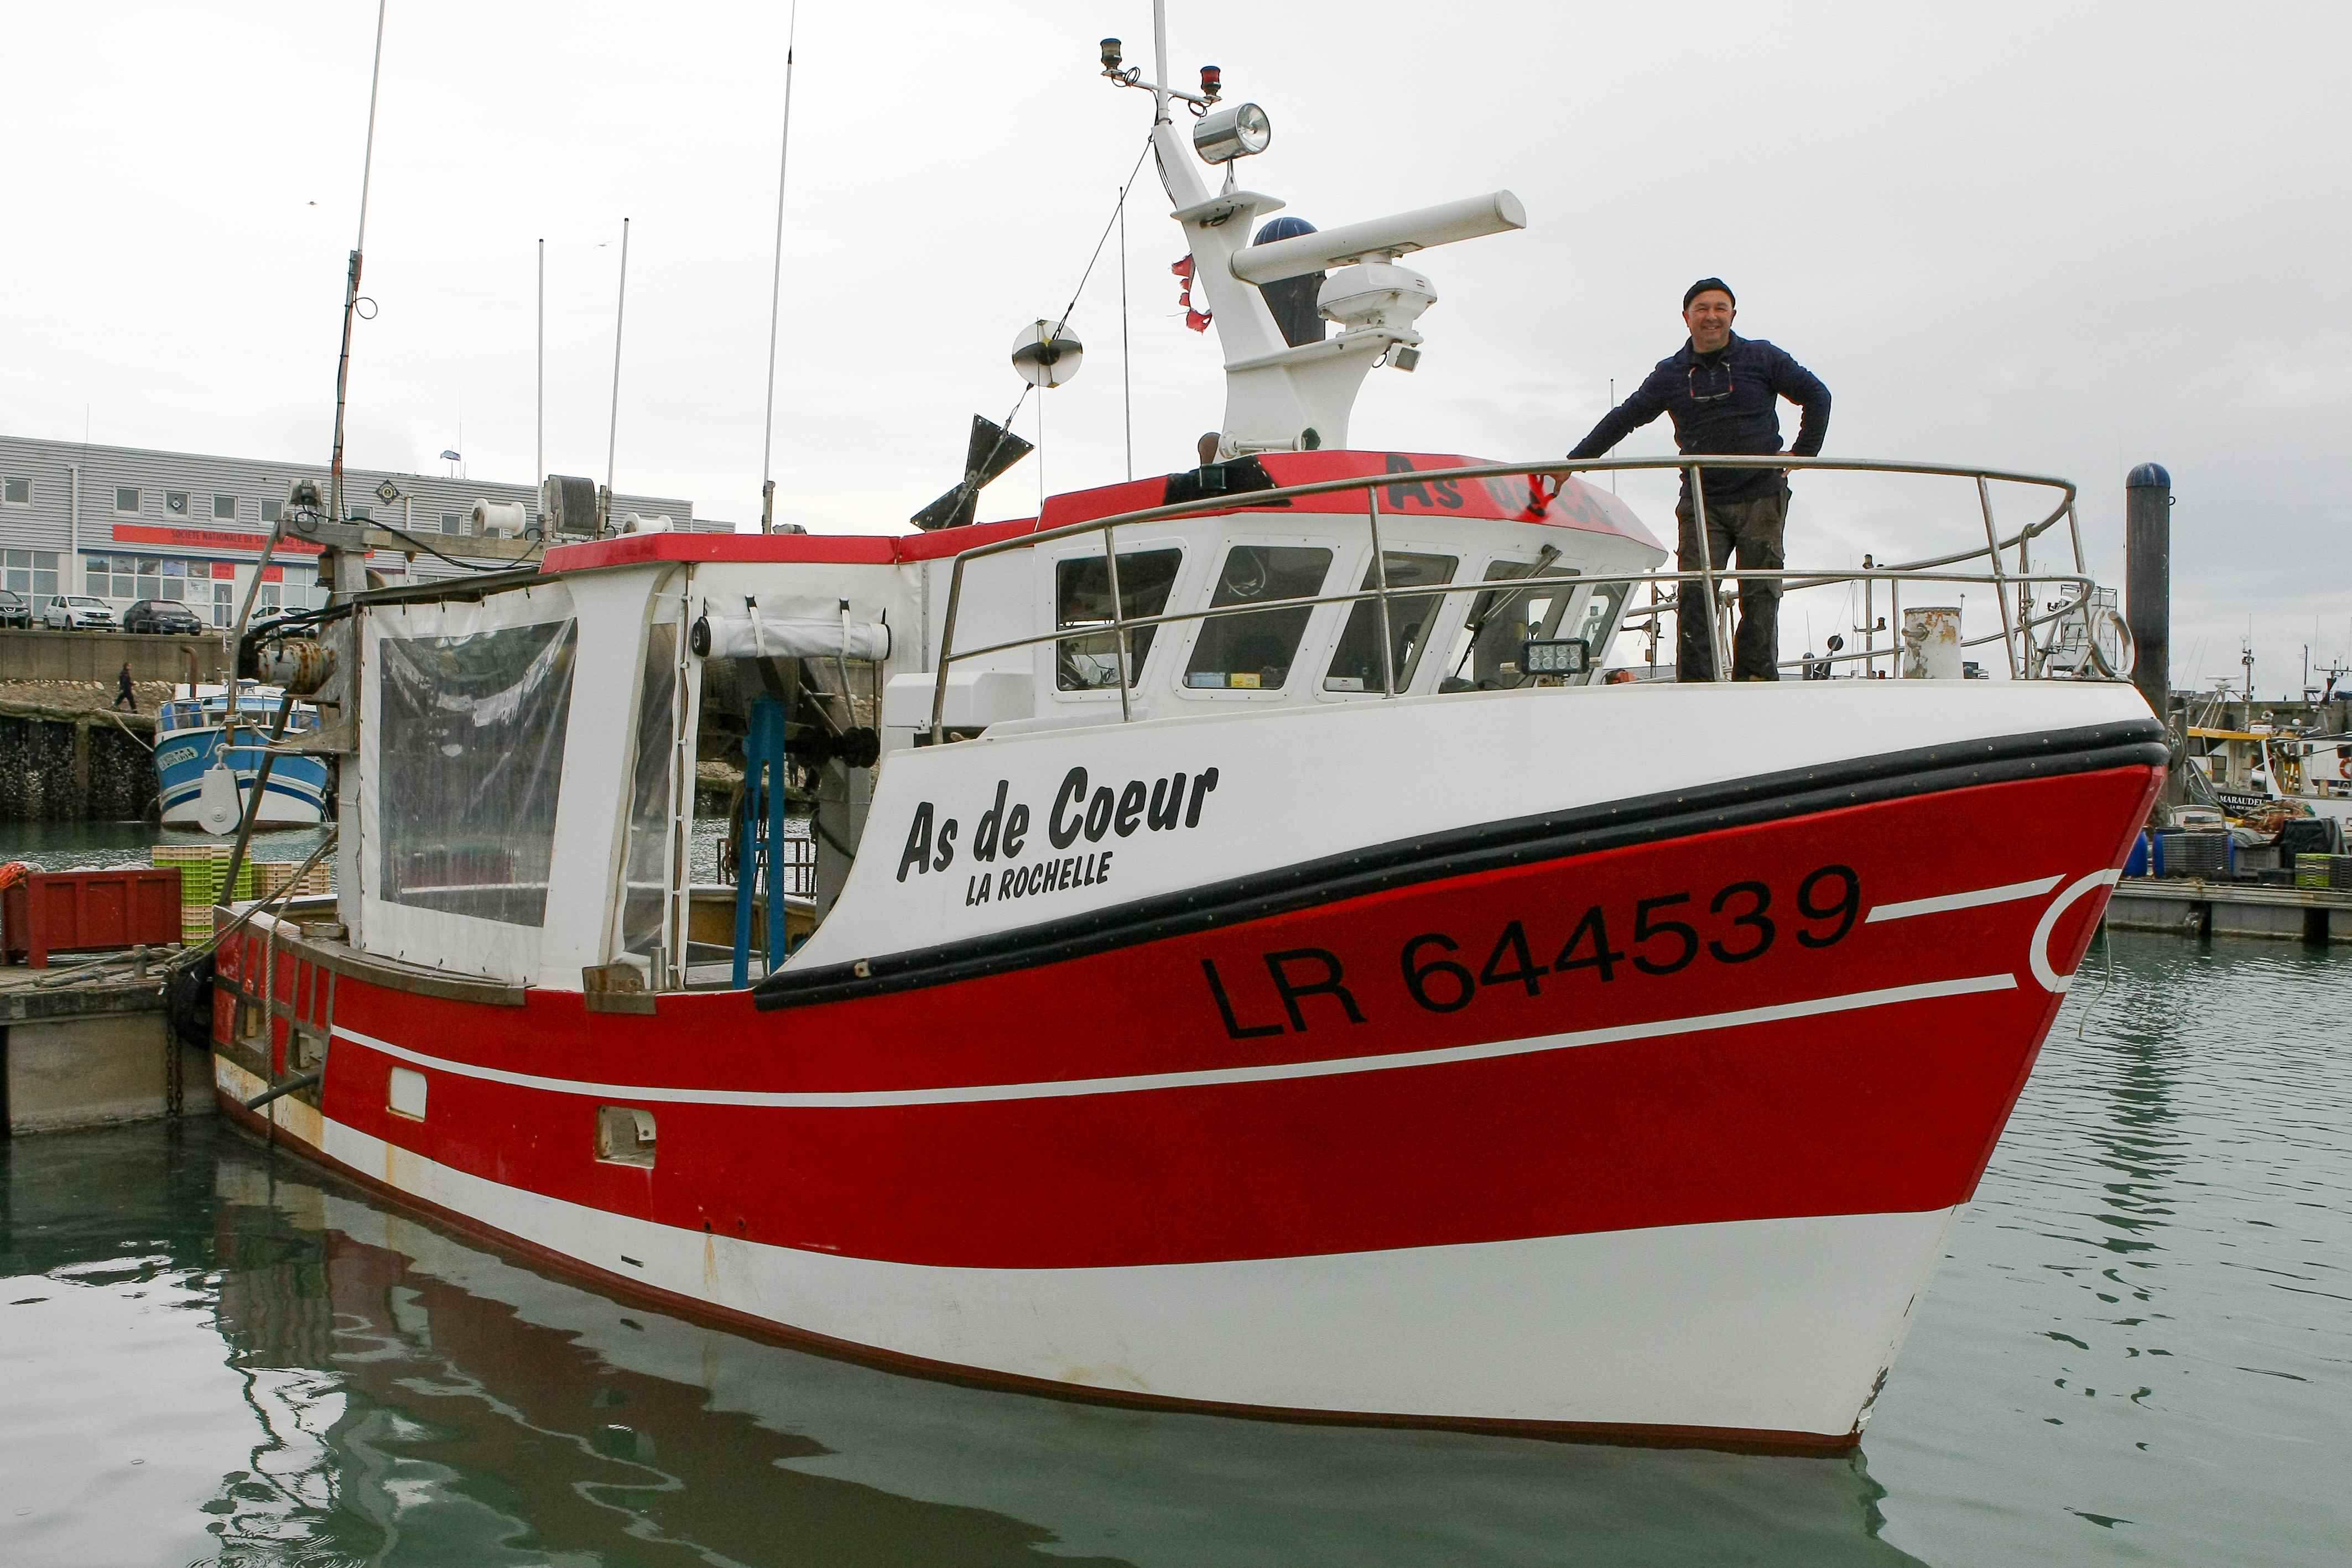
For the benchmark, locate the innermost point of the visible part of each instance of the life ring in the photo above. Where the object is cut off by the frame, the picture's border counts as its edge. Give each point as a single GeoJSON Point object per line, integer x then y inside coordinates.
{"type": "Point", "coordinates": [2343, 770]}
{"type": "Point", "coordinates": [14, 873]}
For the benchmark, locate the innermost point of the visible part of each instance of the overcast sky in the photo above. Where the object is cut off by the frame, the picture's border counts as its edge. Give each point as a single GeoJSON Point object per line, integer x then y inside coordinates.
{"type": "Point", "coordinates": [2061, 238]}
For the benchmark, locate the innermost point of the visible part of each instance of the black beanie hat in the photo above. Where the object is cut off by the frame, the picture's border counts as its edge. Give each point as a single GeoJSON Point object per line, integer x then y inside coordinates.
{"type": "Point", "coordinates": [1702, 285]}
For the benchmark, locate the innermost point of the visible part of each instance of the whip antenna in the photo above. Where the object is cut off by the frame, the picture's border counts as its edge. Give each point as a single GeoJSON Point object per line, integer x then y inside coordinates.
{"type": "Point", "coordinates": [776, 286]}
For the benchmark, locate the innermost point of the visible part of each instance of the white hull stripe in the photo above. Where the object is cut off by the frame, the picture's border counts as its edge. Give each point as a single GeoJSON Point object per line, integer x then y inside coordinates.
{"type": "Point", "coordinates": [1142, 1083]}
{"type": "Point", "coordinates": [2005, 894]}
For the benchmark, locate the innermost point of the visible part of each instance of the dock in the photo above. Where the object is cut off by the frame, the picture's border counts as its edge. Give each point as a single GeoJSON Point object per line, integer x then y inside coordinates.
{"type": "Point", "coordinates": [2194, 906]}
{"type": "Point", "coordinates": [89, 1050]}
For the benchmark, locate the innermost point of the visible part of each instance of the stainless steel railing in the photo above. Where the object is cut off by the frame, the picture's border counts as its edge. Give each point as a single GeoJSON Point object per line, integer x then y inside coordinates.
{"type": "Point", "coordinates": [2018, 621]}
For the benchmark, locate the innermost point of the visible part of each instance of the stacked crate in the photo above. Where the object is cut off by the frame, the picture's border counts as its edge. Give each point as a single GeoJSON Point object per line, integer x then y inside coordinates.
{"type": "Point", "coordinates": [273, 876]}
{"type": "Point", "coordinates": [2313, 871]}
{"type": "Point", "coordinates": [202, 868]}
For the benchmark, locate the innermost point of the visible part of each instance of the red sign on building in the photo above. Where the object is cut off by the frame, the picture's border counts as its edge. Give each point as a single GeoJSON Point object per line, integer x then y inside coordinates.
{"type": "Point", "coordinates": [206, 539]}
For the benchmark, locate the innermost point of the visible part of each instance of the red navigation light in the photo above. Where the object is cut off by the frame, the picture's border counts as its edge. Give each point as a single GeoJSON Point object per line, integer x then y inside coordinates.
{"type": "Point", "coordinates": [1213, 81]}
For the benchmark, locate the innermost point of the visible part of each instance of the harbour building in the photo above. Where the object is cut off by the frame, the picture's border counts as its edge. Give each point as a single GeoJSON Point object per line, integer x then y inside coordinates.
{"type": "Point", "coordinates": [123, 523]}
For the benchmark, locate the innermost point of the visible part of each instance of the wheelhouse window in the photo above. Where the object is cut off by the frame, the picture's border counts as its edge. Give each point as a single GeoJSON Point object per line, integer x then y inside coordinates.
{"type": "Point", "coordinates": [1253, 652]}
{"type": "Point", "coordinates": [1487, 653]}
{"type": "Point", "coordinates": [1598, 622]}
{"type": "Point", "coordinates": [1082, 599]}
{"type": "Point", "coordinates": [472, 746]}
{"type": "Point", "coordinates": [1356, 663]}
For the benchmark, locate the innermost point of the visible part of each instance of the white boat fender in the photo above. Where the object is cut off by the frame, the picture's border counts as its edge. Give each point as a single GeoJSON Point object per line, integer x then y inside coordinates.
{"type": "Point", "coordinates": [219, 808]}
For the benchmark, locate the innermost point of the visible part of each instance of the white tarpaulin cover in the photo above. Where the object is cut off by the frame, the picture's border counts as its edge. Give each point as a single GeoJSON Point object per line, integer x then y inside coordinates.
{"type": "Point", "coordinates": [792, 626]}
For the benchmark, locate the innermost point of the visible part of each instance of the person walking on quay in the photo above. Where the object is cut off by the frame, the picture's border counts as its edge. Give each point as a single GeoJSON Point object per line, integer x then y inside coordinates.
{"type": "Point", "coordinates": [1723, 392]}
{"type": "Point", "coordinates": [125, 695]}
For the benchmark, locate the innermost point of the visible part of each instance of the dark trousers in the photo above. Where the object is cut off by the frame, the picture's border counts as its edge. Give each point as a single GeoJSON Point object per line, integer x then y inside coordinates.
{"type": "Point", "coordinates": [125, 697]}
{"type": "Point", "coordinates": [1752, 527]}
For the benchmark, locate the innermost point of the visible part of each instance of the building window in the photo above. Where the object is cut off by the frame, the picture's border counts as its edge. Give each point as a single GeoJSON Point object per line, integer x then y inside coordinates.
{"type": "Point", "coordinates": [224, 602]}
{"type": "Point", "coordinates": [264, 600]}
{"type": "Point", "coordinates": [271, 511]}
{"type": "Point", "coordinates": [110, 577]}
{"type": "Point", "coordinates": [176, 503]}
{"type": "Point", "coordinates": [16, 490]}
{"type": "Point", "coordinates": [449, 522]}
{"type": "Point", "coordinates": [224, 508]}
{"type": "Point", "coordinates": [32, 571]}
{"type": "Point", "coordinates": [361, 513]}
{"type": "Point", "coordinates": [175, 580]}
{"type": "Point", "coordinates": [126, 499]}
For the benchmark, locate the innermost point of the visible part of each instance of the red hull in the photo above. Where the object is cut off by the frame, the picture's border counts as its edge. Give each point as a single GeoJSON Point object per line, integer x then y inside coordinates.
{"type": "Point", "coordinates": [1701, 1113]}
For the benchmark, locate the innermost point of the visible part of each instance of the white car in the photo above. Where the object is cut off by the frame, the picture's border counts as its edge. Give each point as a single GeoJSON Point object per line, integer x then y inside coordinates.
{"type": "Point", "coordinates": [78, 613]}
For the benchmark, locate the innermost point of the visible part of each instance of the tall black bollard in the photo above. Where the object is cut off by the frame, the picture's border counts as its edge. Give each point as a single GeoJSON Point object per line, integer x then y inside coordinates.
{"type": "Point", "coordinates": [2147, 582]}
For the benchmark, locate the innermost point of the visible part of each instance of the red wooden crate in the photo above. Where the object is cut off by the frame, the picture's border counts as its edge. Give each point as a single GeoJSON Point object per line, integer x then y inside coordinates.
{"type": "Point", "coordinates": [59, 910]}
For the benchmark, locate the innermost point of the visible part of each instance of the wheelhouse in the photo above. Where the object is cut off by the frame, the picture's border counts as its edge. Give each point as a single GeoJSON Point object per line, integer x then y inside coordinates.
{"type": "Point", "coordinates": [551, 780]}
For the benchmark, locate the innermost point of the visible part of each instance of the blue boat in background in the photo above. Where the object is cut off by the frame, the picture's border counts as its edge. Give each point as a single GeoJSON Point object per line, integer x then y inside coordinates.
{"type": "Point", "coordinates": [208, 750]}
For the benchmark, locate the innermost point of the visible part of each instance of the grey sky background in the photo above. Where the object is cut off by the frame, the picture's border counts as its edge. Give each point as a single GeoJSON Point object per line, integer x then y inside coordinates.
{"type": "Point", "coordinates": [2063, 238]}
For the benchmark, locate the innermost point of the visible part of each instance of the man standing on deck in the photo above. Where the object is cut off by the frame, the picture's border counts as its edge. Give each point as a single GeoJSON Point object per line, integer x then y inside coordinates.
{"type": "Point", "coordinates": [1723, 392]}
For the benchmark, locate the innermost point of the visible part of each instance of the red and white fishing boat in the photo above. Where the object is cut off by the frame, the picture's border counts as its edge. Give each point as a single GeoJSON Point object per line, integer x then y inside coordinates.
{"type": "Point", "coordinates": [1228, 977]}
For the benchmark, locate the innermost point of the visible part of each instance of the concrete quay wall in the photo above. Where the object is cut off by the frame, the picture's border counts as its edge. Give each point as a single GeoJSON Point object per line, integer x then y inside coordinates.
{"type": "Point", "coordinates": [99, 656]}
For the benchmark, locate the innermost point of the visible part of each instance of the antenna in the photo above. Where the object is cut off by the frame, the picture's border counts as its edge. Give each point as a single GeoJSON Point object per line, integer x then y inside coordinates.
{"type": "Point", "coordinates": [539, 429]}
{"type": "Point", "coordinates": [620, 309]}
{"type": "Point", "coordinates": [1126, 377]}
{"type": "Point", "coordinates": [352, 282]}
{"type": "Point", "coordinates": [776, 286]}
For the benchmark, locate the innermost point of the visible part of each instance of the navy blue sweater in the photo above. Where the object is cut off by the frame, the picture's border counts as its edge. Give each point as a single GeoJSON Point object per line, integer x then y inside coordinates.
{"type": "Point", "coordinates": [1727, 402]}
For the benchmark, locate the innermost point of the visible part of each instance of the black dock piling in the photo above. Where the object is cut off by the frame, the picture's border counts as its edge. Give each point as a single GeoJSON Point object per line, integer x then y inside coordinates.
{"type": "Point", "coordinates": [2147, 582]}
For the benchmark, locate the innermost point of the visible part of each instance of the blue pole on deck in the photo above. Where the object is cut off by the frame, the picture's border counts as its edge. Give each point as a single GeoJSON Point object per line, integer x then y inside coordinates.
{"type": "Point", "coordinates": [759, 836]}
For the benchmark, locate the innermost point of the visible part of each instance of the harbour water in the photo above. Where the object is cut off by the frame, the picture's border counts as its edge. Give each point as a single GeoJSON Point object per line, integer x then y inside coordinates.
{"type": "Point", "coordinates": [2138, 1348]}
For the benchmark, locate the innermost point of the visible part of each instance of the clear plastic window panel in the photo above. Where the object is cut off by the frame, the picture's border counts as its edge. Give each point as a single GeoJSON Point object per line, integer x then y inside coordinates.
{"type": "Point", "coordinates": [1082, 598]}
{"type": "Point", "coordinates": [1254, 653]}
{"type": "Point", "coordinates": [643, 879]}
{"type": "Point", "coordinates": [1356, 663]}
{"type": "Point", "coordinates": [471, 761]}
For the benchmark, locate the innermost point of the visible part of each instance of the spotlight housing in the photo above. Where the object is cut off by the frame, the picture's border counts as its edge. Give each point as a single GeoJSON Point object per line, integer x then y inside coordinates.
{"type": "Point", "coordinates": [1234, 131]}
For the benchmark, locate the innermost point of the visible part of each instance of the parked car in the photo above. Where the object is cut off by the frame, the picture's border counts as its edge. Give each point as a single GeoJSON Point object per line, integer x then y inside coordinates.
{"type": "Point", "coordinates": [13, 609]}
{"type": "Point", "coordinates": [161, 615]}
{"type": "Point", "coordinates": [78, 613]}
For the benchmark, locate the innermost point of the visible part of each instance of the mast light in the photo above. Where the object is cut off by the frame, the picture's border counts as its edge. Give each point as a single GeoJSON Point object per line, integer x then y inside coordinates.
{"type": "Point", "coordinates": [1236, 130]}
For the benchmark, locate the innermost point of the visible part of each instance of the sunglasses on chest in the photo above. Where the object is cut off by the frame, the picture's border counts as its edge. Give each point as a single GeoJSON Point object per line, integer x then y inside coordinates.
{"type": "Point", "coordinates": [1711, 383]}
